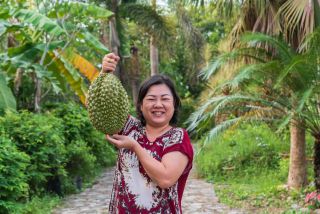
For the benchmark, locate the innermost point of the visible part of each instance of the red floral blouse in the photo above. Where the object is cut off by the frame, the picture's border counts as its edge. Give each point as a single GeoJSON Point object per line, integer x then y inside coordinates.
{"type": "Point", "coordinates": [133, 190]}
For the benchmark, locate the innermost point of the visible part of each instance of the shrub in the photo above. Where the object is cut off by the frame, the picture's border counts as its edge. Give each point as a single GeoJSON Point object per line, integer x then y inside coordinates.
{"type": "Point", "coordinates": [80, 161]}
{"type": "Point", "coordinates": [77, 127]}
{"type": "Point", "coordinates": [243, 151]}
{"type": "Point", "coordinates": [41, 137]}
{"type": "Point", "coordinates": [41, 153]}
{"type": "Point", "coordinates": [13, 180]}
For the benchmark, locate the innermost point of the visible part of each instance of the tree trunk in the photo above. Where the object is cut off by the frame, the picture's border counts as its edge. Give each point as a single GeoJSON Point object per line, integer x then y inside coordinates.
{"type": "Point", "coordinates": [18, 81]}
{"type": "Point", "coordinates": [114, 42]}
{"type": "Point", "coordinates": [154, 57]}
{"type": "Point", "coordinates": [154, 53]}
{"type": "Point", "coordinates": [37, 97]}
{"type": "Point", "coordinates": [134, 73]}
{"type": "Point", "coordinates": [104, 37]}
{"type": "Point", "coordinates": [316, 162]}
{"type": "Point", "coordinates": [298, 166]}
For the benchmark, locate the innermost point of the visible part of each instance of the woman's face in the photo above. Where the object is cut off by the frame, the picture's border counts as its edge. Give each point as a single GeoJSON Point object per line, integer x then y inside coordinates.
{"type": "Point", "coordinates": [157, 106]}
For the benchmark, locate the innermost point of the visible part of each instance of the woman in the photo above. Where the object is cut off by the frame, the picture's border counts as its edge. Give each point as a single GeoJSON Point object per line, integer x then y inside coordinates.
{"type": "Point", "coordinates": [155, 157]}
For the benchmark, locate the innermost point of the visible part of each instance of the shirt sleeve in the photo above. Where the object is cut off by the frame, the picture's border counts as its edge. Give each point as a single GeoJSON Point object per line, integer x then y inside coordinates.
{"type": "Point", "coordinates": [180, 142]}
{"type": "Point", "coordinates": [129, 125]}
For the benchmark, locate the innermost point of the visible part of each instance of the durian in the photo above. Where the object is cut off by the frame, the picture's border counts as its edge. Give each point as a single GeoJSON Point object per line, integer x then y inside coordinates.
{"type": "Point", "coordinates": [107, 103]}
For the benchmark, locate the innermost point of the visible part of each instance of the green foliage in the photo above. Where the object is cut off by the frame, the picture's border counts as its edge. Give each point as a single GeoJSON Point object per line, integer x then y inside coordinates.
{"type": "Point", "coordinates": [147, 18]}
{"type": "Point", "coordinates": [242, 151]}
{"type": "Point", "coordinates": [41, 137]}
{"type": "Point", "coordinates": [13, 180]}
{"type": "Point", "coordinates": [77, 127]}
{"type": "Point", "coordinates": [264, 191]}
{"type": "Point", "coordinates": [7, 100]}
{"type": "Point", "coordinates": [39, 205]}
{"type": "Point", "coordinates": [80, 160]}
{"type": "Point", "coordinates": [41, 153]}
{"type": "Point", "coordinates": [187, 107]}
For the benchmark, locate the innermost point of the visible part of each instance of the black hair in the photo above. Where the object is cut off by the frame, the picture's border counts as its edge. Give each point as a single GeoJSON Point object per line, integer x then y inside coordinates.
{"type": "Point", "coordinates": [158, 80]}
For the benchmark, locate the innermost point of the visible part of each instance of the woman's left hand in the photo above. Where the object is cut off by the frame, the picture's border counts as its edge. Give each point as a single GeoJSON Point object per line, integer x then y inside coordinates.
{"type": "Point", "coordinates": [121, 141]}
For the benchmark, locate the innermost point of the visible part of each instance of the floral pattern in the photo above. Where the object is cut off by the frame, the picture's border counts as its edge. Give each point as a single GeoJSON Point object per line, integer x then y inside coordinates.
{"type": "Point", "coordinates": [133, 190]}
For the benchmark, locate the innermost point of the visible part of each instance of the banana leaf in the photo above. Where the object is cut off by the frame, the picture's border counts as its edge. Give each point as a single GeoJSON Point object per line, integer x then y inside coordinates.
{"type": "Point", "coordinates": [7, 99]}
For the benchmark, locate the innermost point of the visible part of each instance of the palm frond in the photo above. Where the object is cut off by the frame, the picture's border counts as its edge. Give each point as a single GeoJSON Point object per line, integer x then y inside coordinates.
{"type": "Point", "coordinates": [146, 17]}
{"type": "Point", "coordinates": [192, 34]}
{"type": "Point", "coordinates": [304, 98]}
{"type": "Point", "coordinates": [284, 122]}
{"type": "Point", "coordinates": [218, 62]}
{"type": "Point", "coordinates": [299, 18]}
{"type": "Point", "coordinates": [245, 73]}
{"type": "Point", "coordinates": [254, 39]}
{"type": "Point", "coordinates": [287, 70]}
{"type": "Point", "coordinates": [220, 129]}
{"type": "Point", "coordinates": [199, 115]}
{"type": "Point", "coordinates": [311, 114]}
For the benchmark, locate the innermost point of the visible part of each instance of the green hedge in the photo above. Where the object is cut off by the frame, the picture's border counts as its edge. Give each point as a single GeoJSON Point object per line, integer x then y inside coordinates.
{"type": "Point", "coordinates": [249, 149]}
{"type": "Point", "coordinates": [47, 153]}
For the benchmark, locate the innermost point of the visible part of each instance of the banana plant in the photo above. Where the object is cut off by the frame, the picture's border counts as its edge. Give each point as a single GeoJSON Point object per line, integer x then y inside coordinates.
{"type": "Point", "coordinates": [46, 44]}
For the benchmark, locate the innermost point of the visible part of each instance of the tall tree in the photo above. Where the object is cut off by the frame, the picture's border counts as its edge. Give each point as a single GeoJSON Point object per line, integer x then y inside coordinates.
{"type": "Point", "coordinates": [294, 20]}
{"type": "Point", "coordinates": [277, 84]}
{"type": "Point", "coordinates": [154, 53]}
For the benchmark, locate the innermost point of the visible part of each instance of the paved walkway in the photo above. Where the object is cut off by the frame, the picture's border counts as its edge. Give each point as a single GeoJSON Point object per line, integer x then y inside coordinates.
{"type": "Point", "coordinates": [199, 197]}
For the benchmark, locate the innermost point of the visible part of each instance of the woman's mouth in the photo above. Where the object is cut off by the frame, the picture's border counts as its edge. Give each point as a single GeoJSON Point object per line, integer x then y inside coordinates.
{"type": "Point", "coordinates": [157, 113]}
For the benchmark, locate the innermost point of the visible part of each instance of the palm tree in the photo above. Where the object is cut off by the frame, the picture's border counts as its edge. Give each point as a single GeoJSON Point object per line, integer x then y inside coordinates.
{"type": "Point", "coordinates": [278, 84]}
{"type": "Point", "coordinates": [293, 20]}
{"type": "Point", "coordinates": [154, 52]}
{"type": "Point", "coordinates": [143, 15]}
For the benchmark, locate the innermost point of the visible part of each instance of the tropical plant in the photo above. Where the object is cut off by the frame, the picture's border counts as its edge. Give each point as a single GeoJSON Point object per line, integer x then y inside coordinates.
{"type": "Point", "coordinates": [277, 85]}
{"type": "Point", "coordinates": [44, 43]}
{"type": "Point", "coordinates": [293, 20]}
{"type": "Point", "coordinates": [145, 16]}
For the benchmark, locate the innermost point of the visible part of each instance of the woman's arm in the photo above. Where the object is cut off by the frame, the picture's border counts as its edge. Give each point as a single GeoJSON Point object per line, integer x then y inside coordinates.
{"type": "Point", "coordinates": [164, 173]}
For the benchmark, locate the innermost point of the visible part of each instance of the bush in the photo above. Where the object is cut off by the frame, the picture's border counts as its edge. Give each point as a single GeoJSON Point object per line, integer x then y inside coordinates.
{"type": "Point", "coordinates": [41, 137]}
{"type": "Point", "coordinates": [44, 153]}
{"type": "Point", "coordinates": [241, 151]}
{"type": "Point", "coordinates": [77, 127]}
{"type": "Point", "coordinates": [13, 180]}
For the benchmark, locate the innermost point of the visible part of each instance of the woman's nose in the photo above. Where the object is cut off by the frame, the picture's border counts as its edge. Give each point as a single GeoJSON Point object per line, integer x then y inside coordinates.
{"type": "Point", "coordinates": [158, 103]}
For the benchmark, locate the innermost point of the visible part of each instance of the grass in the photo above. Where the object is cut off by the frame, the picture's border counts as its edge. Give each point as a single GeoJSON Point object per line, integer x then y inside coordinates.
{"type": "Point", "coordinates": [264, 192]}
{"type": "Point", "coordinates": [249, 170]}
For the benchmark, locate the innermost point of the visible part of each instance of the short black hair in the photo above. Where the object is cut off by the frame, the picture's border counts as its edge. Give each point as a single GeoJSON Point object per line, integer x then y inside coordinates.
{"type": "Point", "coordinates": [158, 79]}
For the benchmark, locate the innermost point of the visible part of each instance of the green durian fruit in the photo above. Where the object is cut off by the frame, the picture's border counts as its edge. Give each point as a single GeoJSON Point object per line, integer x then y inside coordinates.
{"type": "Point", "coordinates": [108, 104]}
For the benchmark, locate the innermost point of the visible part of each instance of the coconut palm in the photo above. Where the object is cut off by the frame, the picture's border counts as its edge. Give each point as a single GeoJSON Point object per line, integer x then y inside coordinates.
{"type": "Point", "coordinates": [279, 84]}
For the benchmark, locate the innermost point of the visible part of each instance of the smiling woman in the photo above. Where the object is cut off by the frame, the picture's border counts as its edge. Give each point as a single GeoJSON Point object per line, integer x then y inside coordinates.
{"type": "Point", "coordinates": [155, 157]}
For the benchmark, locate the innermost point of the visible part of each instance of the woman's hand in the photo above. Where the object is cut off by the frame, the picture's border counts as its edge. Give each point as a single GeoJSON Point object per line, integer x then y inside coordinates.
{"type": "Point", "coordinates": [109, 62]}
{"type": "Point", "coordinates": [122, 141]}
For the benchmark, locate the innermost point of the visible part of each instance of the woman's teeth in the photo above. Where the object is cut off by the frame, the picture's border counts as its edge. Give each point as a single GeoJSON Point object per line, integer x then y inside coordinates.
{"type": "Point", "coordinates": [157, 113]}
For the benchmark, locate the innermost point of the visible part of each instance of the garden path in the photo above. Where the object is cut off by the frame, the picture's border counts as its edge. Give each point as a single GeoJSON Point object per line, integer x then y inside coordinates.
{"type": "Point", "coordinates": [199, 197]}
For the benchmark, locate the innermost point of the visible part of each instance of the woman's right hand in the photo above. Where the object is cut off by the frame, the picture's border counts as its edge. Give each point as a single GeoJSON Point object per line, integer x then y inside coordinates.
{"type": "Point", "coordinates": [109, 62]}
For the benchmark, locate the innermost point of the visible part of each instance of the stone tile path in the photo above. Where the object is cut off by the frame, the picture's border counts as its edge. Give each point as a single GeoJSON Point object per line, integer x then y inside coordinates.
{"type": "Point", "coordinates": [199, 198]}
